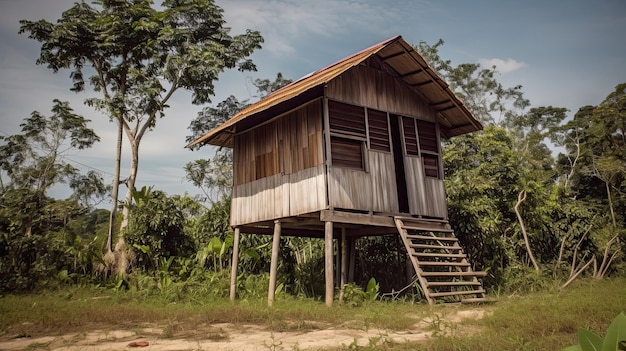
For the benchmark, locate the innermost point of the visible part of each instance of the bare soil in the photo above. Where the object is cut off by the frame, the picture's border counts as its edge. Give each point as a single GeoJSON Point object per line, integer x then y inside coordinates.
{"type": "Point", "coordinates": [248, 337]}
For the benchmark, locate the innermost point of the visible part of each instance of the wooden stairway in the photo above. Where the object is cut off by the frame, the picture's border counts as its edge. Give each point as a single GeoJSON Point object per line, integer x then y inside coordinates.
{"type": "Point", "coordinates": [441, 266]}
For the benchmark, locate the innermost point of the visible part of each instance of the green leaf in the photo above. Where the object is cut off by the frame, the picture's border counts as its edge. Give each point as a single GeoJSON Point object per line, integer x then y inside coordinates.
{"type": "Point", "coordinates": [573, 348]}
{"type": "Point", "coordinates": [616, 334]}
{"type": "Point", "coordinates": [589, 341]}
{"type": "Point", "coordinates": [215, 245]}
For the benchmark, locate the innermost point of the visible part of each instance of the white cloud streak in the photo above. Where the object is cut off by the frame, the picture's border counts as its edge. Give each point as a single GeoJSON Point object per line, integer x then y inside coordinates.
{"type": "Point", "coordinates": [503, 66]}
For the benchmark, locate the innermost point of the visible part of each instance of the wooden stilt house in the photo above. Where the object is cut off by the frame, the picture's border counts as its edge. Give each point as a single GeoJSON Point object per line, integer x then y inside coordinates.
{"type": "Point", "coordinates": [353, 150]}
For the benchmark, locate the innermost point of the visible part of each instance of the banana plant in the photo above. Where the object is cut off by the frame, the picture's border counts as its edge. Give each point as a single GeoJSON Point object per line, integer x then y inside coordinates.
{"type": "Point", "coordinates": [615, 339]}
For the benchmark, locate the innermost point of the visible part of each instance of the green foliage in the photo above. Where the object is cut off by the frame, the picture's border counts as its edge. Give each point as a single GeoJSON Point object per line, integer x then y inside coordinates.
{"type": "Point", "coordinates": [34, 159]}
{"type": "Point", "coordinates": [615, 339]}
{"type": "Point", "coordinates": [155, 229]}
{"type": "Point", "coordinates": [355, 296]}
{"type": "Point", "coordinates": [56, 253]}
{"type": "Point", "coordinates": [137, 55]}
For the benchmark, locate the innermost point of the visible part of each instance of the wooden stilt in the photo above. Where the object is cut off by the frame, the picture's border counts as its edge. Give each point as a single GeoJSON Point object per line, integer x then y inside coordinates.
{"type": "Point", "coordinates": [233, 268]}
{"type": "Point", "coordinates": [352, 264]}
{"type": "Point", "coordinates": [328, 252]}
{"type": "Point", "coordinates": [344, 263]}
{"type": "Point", "coordinates": [274, 263]}
{"type": "Point", "coordinates": [337, 253]}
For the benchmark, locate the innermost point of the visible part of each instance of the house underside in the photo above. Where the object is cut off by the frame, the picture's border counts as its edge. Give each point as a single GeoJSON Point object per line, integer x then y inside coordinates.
{"type": "Point", "coordinates": [440, 265]}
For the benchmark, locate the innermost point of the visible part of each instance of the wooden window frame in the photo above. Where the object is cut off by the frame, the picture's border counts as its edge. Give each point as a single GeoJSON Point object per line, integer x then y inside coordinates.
{"type": "Point", "coordinates": [343, 131]}
{"type": "Point", "coordinates": [378, 136]}
{"type": "Point", "coordinates": [426, 131]}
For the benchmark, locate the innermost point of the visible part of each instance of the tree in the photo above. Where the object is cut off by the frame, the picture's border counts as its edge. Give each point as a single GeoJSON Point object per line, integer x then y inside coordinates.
{"type": "Point", "coordinates": [140, 56]}
{"type": "Point", "coordinates": [34, 161]}
{"type": "Point", "coordinates": [37, 237]}
{"type": "Point", "coordinates": [478, 87]}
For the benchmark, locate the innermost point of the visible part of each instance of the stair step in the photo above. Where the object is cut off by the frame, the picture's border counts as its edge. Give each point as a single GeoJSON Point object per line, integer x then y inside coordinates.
{"type": "Point", "coordinates": [443, 263]}
{"type": "Point", "coordinates": [460, 292]}
{"type": "Point", "coordinates": [429, 254]}
{"type": "Point", "coordinates": [461, 283]}
{"type": "Point", "coordinates": [437, 247]}
{"type": "Point", "coordinates": [424, 229]}
{"type": "Point", "coordinates": [434, 238]}
{"type": "Point", "coordinates": [450, 274]}
{"type": "Point", "coordinates": [478, 300]}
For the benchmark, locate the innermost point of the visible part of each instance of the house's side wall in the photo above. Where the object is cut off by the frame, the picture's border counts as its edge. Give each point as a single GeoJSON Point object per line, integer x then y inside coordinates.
{"type": "Point", "coordinates": [279, 169]}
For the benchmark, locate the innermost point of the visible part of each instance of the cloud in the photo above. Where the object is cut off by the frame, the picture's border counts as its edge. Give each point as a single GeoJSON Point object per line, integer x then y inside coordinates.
{"type": "Point", "coordinates": [503, 66]}
{"type": "Point", "coordinates": [286, 23]}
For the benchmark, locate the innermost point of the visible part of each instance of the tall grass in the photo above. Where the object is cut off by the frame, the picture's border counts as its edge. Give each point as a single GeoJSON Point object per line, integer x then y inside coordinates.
{"type": "Point", "coordinates": [545, 320]}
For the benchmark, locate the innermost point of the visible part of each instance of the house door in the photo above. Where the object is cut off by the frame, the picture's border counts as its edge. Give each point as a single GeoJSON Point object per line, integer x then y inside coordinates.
{"type": "Point", "coordinates": [398, 159]}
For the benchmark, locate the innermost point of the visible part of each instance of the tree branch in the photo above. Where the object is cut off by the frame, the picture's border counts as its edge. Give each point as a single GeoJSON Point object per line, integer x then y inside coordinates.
{"type": "Point", "coordinates": [521, 197]}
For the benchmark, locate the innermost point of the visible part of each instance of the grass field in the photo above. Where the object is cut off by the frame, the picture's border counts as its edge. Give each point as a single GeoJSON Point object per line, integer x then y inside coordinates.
{"type": "Point", "coordinates": [546, 320]}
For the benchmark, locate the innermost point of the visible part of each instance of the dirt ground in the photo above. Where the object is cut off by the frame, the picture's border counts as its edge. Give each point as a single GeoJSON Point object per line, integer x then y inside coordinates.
{"type": "Point", "coordinates": [229, 337]}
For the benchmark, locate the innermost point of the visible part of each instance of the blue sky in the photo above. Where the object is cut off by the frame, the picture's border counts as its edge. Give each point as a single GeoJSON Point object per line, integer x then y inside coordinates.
{"type": "Point", "coordinates": [564, 53]}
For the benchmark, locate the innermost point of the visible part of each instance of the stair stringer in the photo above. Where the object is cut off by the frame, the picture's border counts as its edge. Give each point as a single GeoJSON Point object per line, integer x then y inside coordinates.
{"type": "Point", "coordinates": [452, 257]}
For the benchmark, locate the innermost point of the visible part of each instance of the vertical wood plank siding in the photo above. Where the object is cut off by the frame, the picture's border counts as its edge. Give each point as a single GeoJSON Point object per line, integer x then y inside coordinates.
{"type": "Point", "coordinates": [376, 89]}
{"type": "Point", "coordinates": [415, 185]}
{"type": "Point", "coordinates": [383, 182]}
{"type": "Point", "coordinates": [436, 198]}
{"type": "Point", "coordinates": [279, 196]}
{"type": "Point", "coordinates": [279, 169]}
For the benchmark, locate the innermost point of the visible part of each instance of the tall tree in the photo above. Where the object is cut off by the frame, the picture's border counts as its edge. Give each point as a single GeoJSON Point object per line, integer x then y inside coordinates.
{"type": "Point", "coordinates": [34, 161]}
{"type": "Point", "coordinates": [140, 55]}
{"type": "Point", "coordinates": [477, 86]}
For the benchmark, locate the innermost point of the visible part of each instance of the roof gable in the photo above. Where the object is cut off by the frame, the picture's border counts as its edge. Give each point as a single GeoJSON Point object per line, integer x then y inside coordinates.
{"type": "Point", "coordinates": [400, 59]}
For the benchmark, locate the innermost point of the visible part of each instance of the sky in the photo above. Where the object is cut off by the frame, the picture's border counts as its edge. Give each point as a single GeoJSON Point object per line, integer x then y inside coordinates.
{"type": "Point", "coordinates": [564, 53]}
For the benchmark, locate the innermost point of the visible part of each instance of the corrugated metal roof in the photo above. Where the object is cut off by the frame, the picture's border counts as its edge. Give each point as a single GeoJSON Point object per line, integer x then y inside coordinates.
{"type": "Point", "coordinates": [454, 118]}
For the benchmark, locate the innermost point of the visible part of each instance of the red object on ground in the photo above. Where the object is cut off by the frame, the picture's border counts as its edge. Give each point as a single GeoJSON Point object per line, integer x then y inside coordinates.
{"type": "Point", "coordinates": [139, 344]}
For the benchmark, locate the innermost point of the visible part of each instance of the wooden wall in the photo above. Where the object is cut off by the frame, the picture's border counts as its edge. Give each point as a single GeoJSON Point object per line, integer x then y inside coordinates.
{"type": "Point", "coordinates": [376, 89]}
{"type": "Point", "coordinates": [426, 195]}
{"type": "Point", "coordinates": [279, 196]}
{"type": "Point", "coordinates": [278, 167]}
{"type": "Point", "coordinates": [379, 90]}
{"type": "Point", "coordinates": [374, 190]}
{"type": "Point", "coordinates": [287, 145]}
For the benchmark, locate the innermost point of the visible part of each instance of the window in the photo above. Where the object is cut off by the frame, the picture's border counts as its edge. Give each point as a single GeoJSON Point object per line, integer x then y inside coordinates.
{"type": "Point", "coordinates": [428, 136]}
{"type": "Point", "coordinates": [431, 165]}
{"type": "Point", "coordinates": [378, 130]}
{"type": "Point", "coordinates": [429, 148]}
{"type": "Point", "coordinates": [410, 136]}
{"type": "Point", "coordinates": [346, 152]}
{"type": "Point", "coordinates": [347, 130]}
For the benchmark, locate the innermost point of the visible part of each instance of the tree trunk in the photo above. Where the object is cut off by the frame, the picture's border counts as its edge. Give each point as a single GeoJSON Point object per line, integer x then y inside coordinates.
{"type": "Point", "coordinates": [521, 198]}
{"type": "Point", "coordinates": [134, 166]}
{"type": "Point", "coordinates": [116, 187]}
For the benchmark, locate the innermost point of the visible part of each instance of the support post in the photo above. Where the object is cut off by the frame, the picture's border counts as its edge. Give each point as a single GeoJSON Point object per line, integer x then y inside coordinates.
{"type": "Point", "coordinates": [233, 268]}
{"type": "Point", "coordinates": [352, 265]}
{"type": "Point", "coordinates": [344, 263]}
{"type": "Point", "coordinates": [274, 263]}
{"type": "Point", "coordinates": [328, 253]}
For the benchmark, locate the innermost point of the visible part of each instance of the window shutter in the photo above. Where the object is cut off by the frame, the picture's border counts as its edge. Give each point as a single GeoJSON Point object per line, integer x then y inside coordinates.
{"type": "Point", "coordinates": [379, 130]}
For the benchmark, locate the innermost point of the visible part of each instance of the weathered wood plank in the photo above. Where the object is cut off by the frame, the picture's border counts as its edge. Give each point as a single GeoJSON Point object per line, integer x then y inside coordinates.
{"type": "Point", "coordinates": [350, 189]}
{"type": "Point", "coordinates": [356, 218]}
{"type": "Point", "coordinates": [383, 182]}
{"type": "Point", "coordinates": [435, 198]}
{"type": "Point", "coordinates": [415, 185]}
{"type": "Point", "coordinates": [372, 88]}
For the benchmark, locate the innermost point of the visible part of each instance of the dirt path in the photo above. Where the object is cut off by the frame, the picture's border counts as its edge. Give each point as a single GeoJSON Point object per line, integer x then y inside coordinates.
{"type": "Point", "coordinates": [229, 337]}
